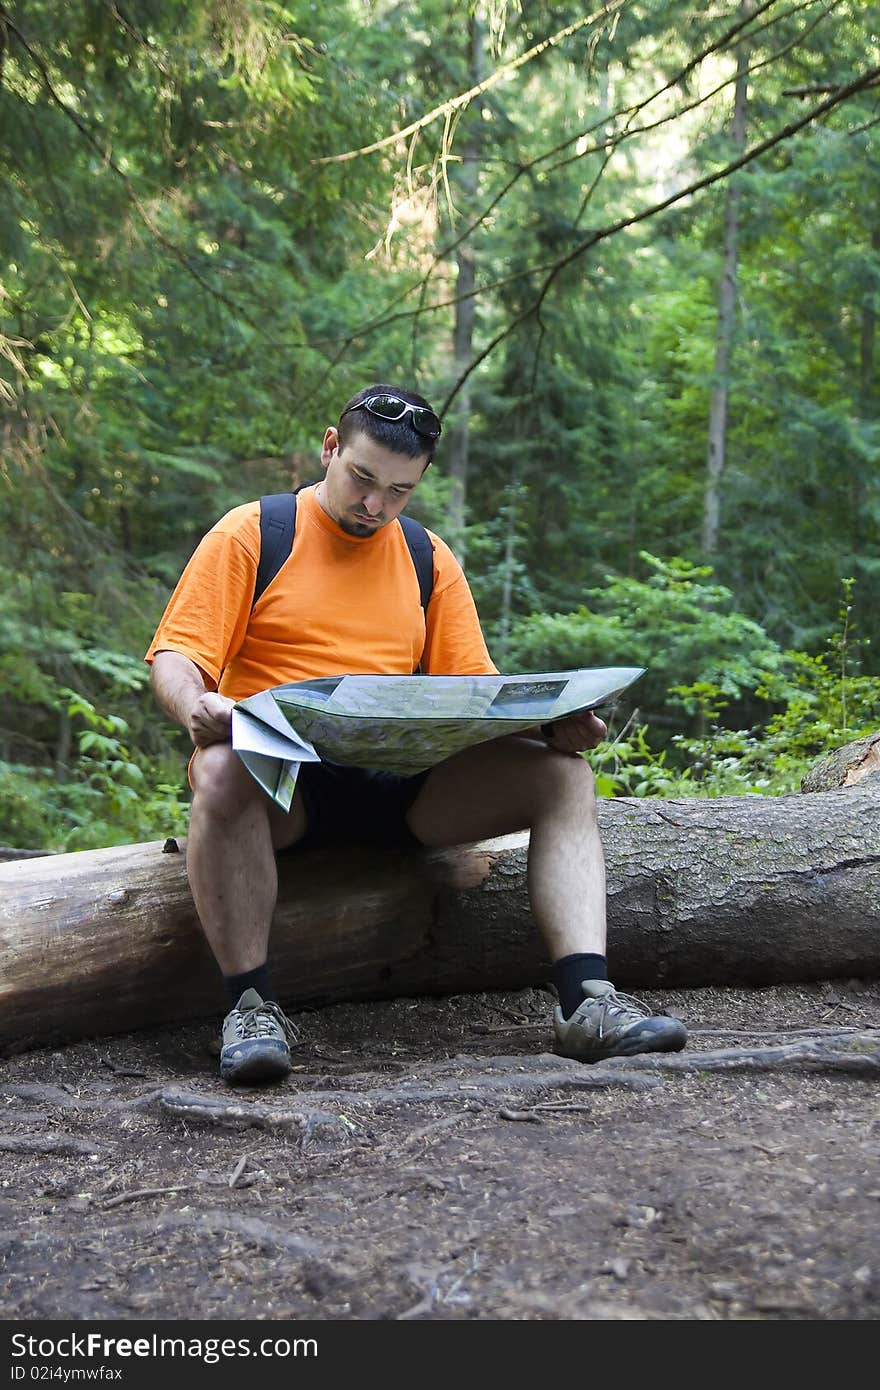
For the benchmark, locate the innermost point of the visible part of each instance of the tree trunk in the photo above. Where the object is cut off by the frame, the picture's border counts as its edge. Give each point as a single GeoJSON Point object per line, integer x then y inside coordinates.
{"type": "Point", "coordinates": [867, 339]}
{"type": "Point", "coordinates": [510, 513]}
{"type": "Point", "coordinates": [867, 405]}
{"type": "Point", "coordinates": [735, 890]}
{"type": "Point", "coordinates": [506, 613]}
{"type": "Point", "coordinates": [715, 457]}
{"type": "Point", "coordinates": [457, 453]}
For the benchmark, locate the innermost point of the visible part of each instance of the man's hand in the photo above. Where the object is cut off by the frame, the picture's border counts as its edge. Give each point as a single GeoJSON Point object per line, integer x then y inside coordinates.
{"type": "Point", "coordinates": [210, 719]}
{"type": "Point", "coordinates": [576, 732]}
{"type": "Point", "coordinates": [179, 686]}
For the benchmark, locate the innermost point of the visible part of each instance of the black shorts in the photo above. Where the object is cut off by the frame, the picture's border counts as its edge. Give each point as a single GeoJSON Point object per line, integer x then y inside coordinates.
{"type": "Point", "coordinates": [356, 804]}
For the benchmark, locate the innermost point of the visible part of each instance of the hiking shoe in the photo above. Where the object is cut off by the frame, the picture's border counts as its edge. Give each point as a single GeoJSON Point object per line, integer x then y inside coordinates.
{"type": "Point", "coordinates": [609, 1024]}
{"type": "Point", "coordinates": [256, 1041]}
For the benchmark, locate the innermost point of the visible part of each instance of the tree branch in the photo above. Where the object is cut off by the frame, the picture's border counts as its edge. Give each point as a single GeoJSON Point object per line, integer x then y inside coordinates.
{"type": "Point", "coordinates": [446, 108]}
{"type": "Point", "coordinates": [607, 144]}
{"type": "Point", "coordinates": [870, 78]}
{"type": "Point", "coordinates": [820, 87]}
{"type": "Point", "coordinates": [108, 160]}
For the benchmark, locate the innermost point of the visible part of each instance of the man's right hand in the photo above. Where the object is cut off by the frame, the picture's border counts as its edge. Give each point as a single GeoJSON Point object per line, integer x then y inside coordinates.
{"type": "Point", "coordinates": [210, 719]}
{"type": "Point", "coordinates": [179, 686]}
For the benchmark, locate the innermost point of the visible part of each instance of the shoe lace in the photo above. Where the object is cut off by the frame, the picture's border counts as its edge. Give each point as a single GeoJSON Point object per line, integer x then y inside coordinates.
{"type": "Point", "coordinates": [253, 1021]}
{"type": "Point", "coordinates": [615, 1005]}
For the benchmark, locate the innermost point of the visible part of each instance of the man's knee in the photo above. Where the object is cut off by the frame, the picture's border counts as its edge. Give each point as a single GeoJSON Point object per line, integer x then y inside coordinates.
{"type": "Point", "coordinates": [570, 778]}
{"type": "Point", "coordinates": [551, 779]}
{"type": "Point", "coordinates": [220, 781]}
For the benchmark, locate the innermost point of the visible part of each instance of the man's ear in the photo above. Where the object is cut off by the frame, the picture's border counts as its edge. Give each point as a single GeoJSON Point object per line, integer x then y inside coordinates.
{"type": "Point", "coordinates": [330, 446]}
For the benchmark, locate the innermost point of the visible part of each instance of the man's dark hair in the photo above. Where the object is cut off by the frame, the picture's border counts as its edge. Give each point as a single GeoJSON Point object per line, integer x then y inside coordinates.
{"type": "Point", "coordinates": [400, 436]}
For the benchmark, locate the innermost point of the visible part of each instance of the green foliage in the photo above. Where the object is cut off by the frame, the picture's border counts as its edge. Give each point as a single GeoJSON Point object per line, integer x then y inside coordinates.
{"type": "Point", "coordinates": [194, 278]}
{"type": "Point", "coordinates": [107, 797]}
{"type": "Point", "coordinates": [812, 704]}
{"type": "Point", "coordinates": [676, 622]}
{"type": "Point", "coordinates": [629, 766]}
{"type": "Point", "coordinates": [818, 703]}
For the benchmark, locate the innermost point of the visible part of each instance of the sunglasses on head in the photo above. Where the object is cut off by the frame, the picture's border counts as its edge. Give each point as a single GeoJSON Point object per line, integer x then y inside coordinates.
{"type": "Point", "coordinates": [393, 408]}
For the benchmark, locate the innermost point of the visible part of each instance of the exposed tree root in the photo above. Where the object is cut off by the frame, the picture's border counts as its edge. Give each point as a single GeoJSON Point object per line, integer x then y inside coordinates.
{"type": "Point", "coordinates": [225, 1223]}
{"type": "Point", "coordinates": [517, 1077]}
{"type": "Point", "coordinates": [244, 1115]}
{"type": "Point", "coordinates": [861, 1057]}
{"type": "Point", "coordinates": [48, 1144]}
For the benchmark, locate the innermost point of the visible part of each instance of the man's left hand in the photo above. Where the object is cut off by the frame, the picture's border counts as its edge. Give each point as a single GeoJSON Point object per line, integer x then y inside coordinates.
{"type": "Point", "coordinates": [576, 732]}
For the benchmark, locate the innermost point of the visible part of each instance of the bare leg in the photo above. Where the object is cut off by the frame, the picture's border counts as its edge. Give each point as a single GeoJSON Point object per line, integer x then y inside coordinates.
{"type": "Point", "coordinates": [520, 784]}
{"type": "Point", "coordinates": [230, 857]}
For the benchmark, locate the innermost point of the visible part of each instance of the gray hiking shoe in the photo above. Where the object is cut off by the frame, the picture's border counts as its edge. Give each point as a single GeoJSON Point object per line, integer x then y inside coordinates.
{"type": "Point", "coordinates": [256, 1041]}
{"type": "Point", "coordinates": [609, 1024]}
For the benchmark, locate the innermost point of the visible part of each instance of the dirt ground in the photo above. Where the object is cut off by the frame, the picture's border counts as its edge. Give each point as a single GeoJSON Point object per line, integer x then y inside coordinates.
{"type": "Point", "coordinates": [430, 1159]}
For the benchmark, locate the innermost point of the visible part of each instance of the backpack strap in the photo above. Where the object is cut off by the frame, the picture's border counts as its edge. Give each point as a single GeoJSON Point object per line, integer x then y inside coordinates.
{"type": "Point", "coordinates": [277, 526]}
{"type": "Point", "coordinates": [422, 553]}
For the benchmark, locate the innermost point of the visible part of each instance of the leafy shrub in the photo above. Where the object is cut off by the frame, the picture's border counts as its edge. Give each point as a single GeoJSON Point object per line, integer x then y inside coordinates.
{"type": "Point", "coordinates": [628, 766]}
{"type": "Point", "coordinates": [676, 623]}
{"type": "Point", "coordinates": [814, 705]}
{"type": "Point", "coordinates": [110, 797]}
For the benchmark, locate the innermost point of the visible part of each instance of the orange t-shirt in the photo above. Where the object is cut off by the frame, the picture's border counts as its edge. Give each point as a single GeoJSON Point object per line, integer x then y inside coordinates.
{"type": "Point", "coordinates": [340, 605]}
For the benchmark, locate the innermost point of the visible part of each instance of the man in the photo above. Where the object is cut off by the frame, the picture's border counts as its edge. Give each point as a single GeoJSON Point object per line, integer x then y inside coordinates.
{"type": "Point", "coordinates": [347, 601]}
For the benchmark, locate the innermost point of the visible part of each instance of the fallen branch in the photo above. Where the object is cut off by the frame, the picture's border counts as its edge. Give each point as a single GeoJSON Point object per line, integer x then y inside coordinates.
{"type": "Point", "coordinates": [237, 1171]}
{"type": "Point", "coordinates": [124, 1071]}
{"type": "Point", "coordinates": [137, 1193]}
{"type": "Point", "coordinates": [535, 1113]}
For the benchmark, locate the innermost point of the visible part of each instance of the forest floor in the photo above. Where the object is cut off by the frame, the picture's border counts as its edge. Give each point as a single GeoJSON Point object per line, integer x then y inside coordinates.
{"type": "Point", "coordinates": [431, 1159]}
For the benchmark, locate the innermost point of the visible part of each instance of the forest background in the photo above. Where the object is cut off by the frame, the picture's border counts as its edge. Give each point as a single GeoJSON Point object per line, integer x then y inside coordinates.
{"type": "Point", "coordinates": [632, 252]}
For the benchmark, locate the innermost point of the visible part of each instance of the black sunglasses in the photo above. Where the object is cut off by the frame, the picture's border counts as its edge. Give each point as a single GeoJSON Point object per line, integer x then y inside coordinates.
{"type": "Point", "coordinates": [393, 408]}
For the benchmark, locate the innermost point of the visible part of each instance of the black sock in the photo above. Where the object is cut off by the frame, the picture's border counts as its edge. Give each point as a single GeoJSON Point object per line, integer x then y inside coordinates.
{"type": "Point", "coordinates": [251, 979]}
{"type": "Point", "coordinates": [567, 975]}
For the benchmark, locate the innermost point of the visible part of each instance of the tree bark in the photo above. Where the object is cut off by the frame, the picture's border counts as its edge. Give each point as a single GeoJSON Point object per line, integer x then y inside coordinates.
{"type": "Point", "coordinates": [457, 456]}
{"type": "Point", "coordinates": [735, 890]}
{"type": "Point", "coordinates": [845, 765]}
{"type": "Point", "coordinates": [715, 457]}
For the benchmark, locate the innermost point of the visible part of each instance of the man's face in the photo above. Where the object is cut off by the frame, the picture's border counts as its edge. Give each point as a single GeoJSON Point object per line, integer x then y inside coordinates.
{"type": "Point", "coordinates": [366, 485]}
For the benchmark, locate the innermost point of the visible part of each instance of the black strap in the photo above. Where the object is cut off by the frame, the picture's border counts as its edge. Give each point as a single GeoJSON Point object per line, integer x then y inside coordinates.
{"type": "Point", "coordinates": [422, 552]}
{"type": "Point", "coordinates": [277, 526]}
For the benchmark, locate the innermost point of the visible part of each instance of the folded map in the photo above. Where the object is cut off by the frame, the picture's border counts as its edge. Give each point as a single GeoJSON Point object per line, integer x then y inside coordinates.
{"type": "Point", "coordinates": [403, 723]}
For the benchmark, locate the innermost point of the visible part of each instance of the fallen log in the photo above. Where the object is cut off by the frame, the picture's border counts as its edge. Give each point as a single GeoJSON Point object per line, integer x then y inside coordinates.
{"type": "Point", "coordinates": [733, 890]}
{"type": "Point", "coordinates": [844, 766]}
